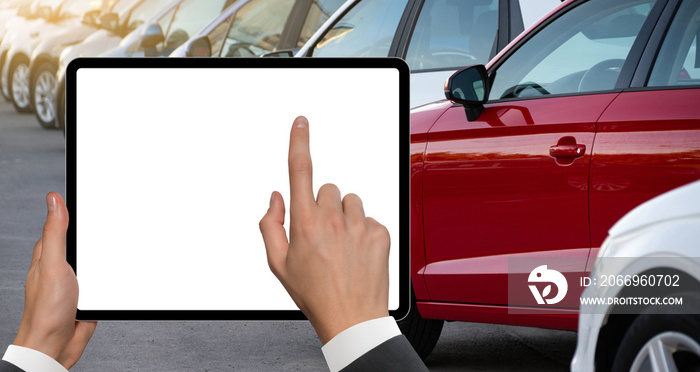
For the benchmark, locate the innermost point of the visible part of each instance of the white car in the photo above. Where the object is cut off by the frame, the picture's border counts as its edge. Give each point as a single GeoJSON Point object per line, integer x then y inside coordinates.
{"type": "Point", "coordinates": [50, 17]}
{"type": "Point", "coordinates": [661, 234]}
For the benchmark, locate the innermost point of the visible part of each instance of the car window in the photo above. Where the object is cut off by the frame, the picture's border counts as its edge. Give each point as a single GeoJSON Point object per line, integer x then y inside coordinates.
{"type": "Point", "coordinates": [581, 51]}
{"type": "Point", "coordinates": [144, 11]}
{"type": "Point", "coordinates": [450, 34]}
{"type": "Point", "coordinates": [189, 17]}
{"type": "Point", "coordinates": [318, 14]}
{"type": "Point", "coordinates": [678, 62]}
{"type": "Point", "coordinates": [256, 28]}
{"type": "Point", "coordinates": [367, 30]}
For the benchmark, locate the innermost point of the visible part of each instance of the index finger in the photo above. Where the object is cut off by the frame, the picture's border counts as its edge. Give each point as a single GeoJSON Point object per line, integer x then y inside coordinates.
{"type": "Point", "coordinates": [300, 169]}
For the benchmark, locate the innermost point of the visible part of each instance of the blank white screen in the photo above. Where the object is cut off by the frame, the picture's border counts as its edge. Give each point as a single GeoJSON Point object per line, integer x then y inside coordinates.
{"type": "Point", "coordinates": [175, 168]}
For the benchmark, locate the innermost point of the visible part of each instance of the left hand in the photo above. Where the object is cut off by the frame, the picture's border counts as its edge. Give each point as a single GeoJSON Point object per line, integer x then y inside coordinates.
{"type": "Point", "coordinates": [51, 295]}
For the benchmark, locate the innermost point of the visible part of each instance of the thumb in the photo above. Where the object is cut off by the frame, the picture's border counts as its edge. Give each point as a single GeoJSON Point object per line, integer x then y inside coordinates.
{"type": "Point", "coordinates": [54, 235]}
{"type": "Point", "coordinates": [76, 346]}
{"type": "Point", "coordinates": [274, 235]}
{"type": "Point", "coordinates": [84, 330]}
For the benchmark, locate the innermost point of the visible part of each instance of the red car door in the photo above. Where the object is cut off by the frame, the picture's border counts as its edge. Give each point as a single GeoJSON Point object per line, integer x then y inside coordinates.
{"type": "Point", "coordinates": [492, 190]}
{"type": "Point", "coordinates": [514, 183]}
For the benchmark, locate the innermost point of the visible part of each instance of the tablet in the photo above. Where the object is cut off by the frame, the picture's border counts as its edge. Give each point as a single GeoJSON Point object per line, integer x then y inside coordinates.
{"type": "Point", "coordinates": [170, 164]}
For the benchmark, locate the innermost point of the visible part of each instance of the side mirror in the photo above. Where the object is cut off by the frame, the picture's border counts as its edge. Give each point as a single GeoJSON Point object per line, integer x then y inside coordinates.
{"type": "Point", "coordinates": [199, 47]}
{"type": "Point", "coordinates": [90, 17]}
{"type": "Point", "coordinates": [151, 36]}
{"type": "Point", "coordinates": [469, 86]}
{"type": "Point", "coordinates": [286, 53]}
{"type": "Point", "coordinates": [110, 21]}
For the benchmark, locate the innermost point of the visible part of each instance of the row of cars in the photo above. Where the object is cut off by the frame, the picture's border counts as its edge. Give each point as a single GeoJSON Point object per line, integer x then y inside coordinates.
{"type": "Point", "coordinates": [536, 154]}
{"type": "Point", "coordinates": [436, 37]}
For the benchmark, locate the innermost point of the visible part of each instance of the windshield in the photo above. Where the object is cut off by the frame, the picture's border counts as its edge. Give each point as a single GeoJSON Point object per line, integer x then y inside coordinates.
{"type": "Point", "coordinates": [319, 13]}
{"type": "Point", "coordinates": [452, 34]}
{"type": "Point", "coordinates": [257, 27]}
{"type": "Point", "coordinates": [143, 12]}
{"type": "Point", "coordinates": [367, 30]}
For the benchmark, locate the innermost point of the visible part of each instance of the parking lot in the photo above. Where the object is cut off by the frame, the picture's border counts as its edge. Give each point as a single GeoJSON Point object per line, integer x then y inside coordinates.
{"type": "Point", "coordinates": [32, 164]}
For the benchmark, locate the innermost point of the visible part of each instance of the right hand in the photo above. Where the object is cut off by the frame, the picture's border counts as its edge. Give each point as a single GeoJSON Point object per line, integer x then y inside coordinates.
{"type": "Point", "coordinates": [335, 264]}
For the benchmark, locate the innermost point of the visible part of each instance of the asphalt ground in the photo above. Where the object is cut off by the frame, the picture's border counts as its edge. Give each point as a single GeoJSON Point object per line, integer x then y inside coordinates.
{"type": "Point", "coordinates": [32, 164]}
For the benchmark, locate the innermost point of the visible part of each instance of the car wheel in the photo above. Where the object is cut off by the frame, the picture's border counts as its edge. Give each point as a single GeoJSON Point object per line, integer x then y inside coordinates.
{"type": "Point", "coordinates": [422, 333]}
{"type": "Point", "coordinates": [44, 84]}
{"type": "Point", "coordinates": [18, 83]}
{"type": "Point", "coordinates": [660, 342]}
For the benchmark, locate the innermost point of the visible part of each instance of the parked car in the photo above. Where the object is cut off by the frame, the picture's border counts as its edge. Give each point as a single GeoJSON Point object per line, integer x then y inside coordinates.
{"type": "Point", "coordinates": [110, 27]}
{"type": "Point", "coordinates": [10, 13]}
{"type": "Point", "coordinates": [582, 118]}
{"type": "Point", "coordinates": [244, 28]}
{"type": "Point", "coordinates": [56, 16]}
{"type": "Point", "coordinates": [169, 30]}
{"type": "Point", "coordinates": [435, 37]}
{"type": "Point", "coordinates": [662, 235]}
{"type": "Point", "coordinates": [178, 18]}
{"type": "Point", "coordinates": [28, 17]}
{"type": "Point", "coordinates": [12, 19]}
{"type": "Point", "coordinates": [255, 27]}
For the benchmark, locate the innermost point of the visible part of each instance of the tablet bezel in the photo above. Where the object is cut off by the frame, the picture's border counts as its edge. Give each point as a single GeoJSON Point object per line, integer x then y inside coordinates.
{"type": "Point", "coordinates": [239, 63]}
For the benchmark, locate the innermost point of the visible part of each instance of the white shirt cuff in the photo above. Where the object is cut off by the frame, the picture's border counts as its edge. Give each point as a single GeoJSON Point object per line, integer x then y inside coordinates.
{"type": "Point", "coordinates": [357, 340]}
{"type": "Point", "coordinates": [31, 360]}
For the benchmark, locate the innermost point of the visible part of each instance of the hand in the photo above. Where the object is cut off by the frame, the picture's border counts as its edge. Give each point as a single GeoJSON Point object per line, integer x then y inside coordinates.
{"type": "Point", "coordinates": [335, 264]}
{"type": "Point", "coordinates": [51, 295]}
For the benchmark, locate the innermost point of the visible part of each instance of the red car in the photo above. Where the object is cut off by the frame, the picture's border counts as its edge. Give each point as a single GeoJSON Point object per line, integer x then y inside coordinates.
{"type": "Point", "coordinates": [592, 111]}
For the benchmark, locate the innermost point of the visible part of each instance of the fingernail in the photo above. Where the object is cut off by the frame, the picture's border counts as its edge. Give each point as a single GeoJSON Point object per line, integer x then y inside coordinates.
{"type": "Point", "coordinates": [51, 202]}
{"type": "Point", "coordinates": [272, 199]}
{"type": "Point", "coordinates": [301, 122]}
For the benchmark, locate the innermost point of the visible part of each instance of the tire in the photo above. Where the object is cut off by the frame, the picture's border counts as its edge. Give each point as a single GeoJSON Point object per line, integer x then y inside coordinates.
{"type": "Point", "coordinates": [2, 66]}
{"type": "Point", "coordinates": [42, 93]}
{"type": "Point", "coordinates": [422, 333]}
{"type": "Point", "coordinates": [678, 336]}
{"type": "Point", "coordinates": [61, 110]}
{"type": "Point", "coordinates": [18, 83]}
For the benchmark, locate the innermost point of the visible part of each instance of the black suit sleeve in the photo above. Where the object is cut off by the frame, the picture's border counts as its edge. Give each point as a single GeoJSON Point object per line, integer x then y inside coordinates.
{"type": "Point", "coordinates": [395, 354]}
{"type": "Point", "coordinates": [9, 367]}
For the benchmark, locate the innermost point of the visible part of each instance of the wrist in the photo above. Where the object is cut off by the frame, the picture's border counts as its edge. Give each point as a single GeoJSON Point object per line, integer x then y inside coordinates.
{"type": "Point", "coordinates": [40, 344]}
{"type": "Point", "coordinates": [329, 327]}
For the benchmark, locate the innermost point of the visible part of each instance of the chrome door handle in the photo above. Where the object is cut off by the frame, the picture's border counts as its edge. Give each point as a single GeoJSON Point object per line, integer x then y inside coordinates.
{"type": "Point", "coordinates": [567, 151]}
